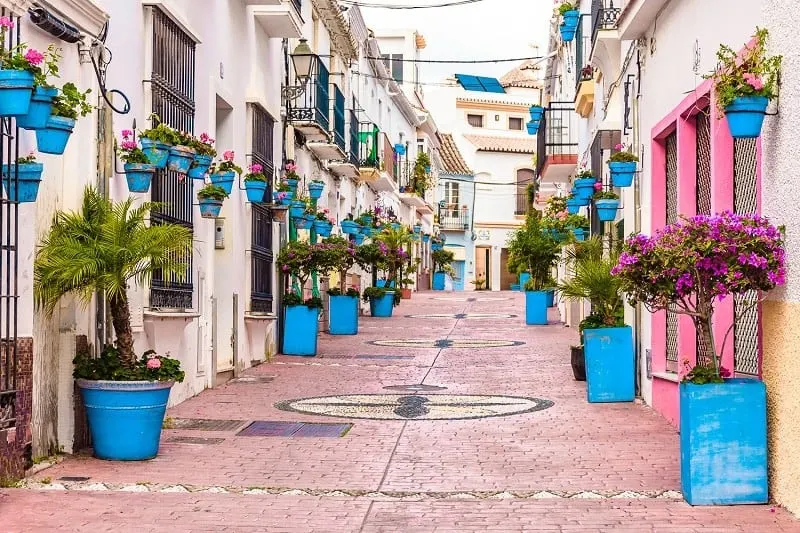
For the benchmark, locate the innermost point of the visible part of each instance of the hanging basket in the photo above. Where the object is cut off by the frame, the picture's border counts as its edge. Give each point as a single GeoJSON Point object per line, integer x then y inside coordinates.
{"type": "Point", "coordinates": [210, 208]}
{"type": "Point", "coordinates": [569, 25]}
{"type": "Point", "coordinates": [139, 176]}
{"type": "Point", "coordinates": [579, 234]}
{"type": "Point", "coordinates": [200, 166]}
{"type": "Point", "coordinates": [622, 173]}
{"type": "Point", "coordinates": [255, 190]}
{"type": "Point", "coordinates": [16, 90]}
{"type": "Point", "coordinates": [301, 222]}
{"type": "Point", "coordinates": [157, 153]}
{"type": "Point", "coordinates": [26, 188]}
{"type": "Point", "coordinates": [315, 190]}
{"type": "Point", "coordinates": [350, 227]}
{"type": "Point", "coordinates": [39, 110]}
{"type": "Point", "coordinates": [224, 180]}
{"type": "Point", "coordinates": [574, 206]}
{"type": "Point", "coordinates": [180, 159]}
{"type": "Point", "coordinates": [745, 116]}
{"type": "Point", "coordinates": [584, 187]}
{"type": "Point", "coordinates": [606, 209]}
{"type": "Point", "coordinates": [323, 228]}
{"type": "Point", "coordinates": [54, 137]}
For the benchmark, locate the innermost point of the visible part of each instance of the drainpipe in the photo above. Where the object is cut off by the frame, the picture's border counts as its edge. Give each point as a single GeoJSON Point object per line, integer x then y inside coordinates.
{"type": "Point", "coordinates": [637, 221]}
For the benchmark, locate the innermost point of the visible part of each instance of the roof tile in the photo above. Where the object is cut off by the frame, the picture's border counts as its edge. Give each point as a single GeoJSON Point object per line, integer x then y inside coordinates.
{"type": "Point", "coordinates": [517, 145]}
{"type": "Point", "coordinates": [451, 156]}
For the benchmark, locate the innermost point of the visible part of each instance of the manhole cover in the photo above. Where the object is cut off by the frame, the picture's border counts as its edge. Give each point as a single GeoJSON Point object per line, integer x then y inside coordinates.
{"type": "Point", "coordinates": [445, 343]}
{"type": "Point", "coordinates": [252, 379]}
{"type": "Point", "coordinates": [414, 406]}
{"type": "Point", "coordinates": [467, 316]}
{"type": "Point", "coordinates": [418, 387]}
{"type": "Point", "coordinates": [263, 428]}
{"type": "Point", "coordinates": [202, 424]}
{"type": "Point", "coordinates": [195, 440]}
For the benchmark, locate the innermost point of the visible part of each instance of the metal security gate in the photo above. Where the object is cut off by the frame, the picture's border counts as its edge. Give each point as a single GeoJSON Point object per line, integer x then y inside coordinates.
{"type": "Point", "coordinates": [703, 200]}
{"type": "Point", "coordinates": [261, 231]}
{"type": "Point", "coordinates": [672, 216]}
{"type": "Point", "coordinates": [746, 315]}
{"type": "Point", "coordinates": [172, 84]}
{"type": "Point", "coordinates": [9, 218]}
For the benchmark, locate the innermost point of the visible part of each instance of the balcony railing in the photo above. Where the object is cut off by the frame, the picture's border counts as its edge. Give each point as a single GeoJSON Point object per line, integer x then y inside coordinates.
{"type": "Point", "coordinates": [369, 152]}
{"type": "Point", "coordinates": [338, 119]}
{"type": "Point", "coordinates": [314, 104]}
{"type": "Point", "coordinates": [523, 205]}
{"type": "Point", "coordinates": [604, 16]}
{"type": "Point", "coordinates": [557, 139]}
{"type": "Point", "coordinates": [352, 155]}
{"type": "Point", "coordinates": [454, 219]}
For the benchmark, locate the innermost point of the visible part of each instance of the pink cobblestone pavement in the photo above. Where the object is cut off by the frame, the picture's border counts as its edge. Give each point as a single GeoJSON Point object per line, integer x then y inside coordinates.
{"type": "Point", "coordinates": [572, 467]}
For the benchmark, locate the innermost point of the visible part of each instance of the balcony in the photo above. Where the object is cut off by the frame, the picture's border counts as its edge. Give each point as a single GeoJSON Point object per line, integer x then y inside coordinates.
{"type": "Point", "coordinates": [637, 16]}
{"type": "Point", "coordinates": [347, 167]}
{"type": "Point", "coordinates": [605, 36]}
{"type": "Point", "coordinates": [523, 205]}
{"type": "Point", "coordinates": [376, 158]}
{"type": "Point", "coordinates": [333, 148]}
{"type": "Point", "coordinates": [453, 218]}
{"type": "Point", "coordinates": [557, 143]}
{"type": "Point", "coordinates": [311, 116]}
{"type": "Point", "coordinates": [279, 18]}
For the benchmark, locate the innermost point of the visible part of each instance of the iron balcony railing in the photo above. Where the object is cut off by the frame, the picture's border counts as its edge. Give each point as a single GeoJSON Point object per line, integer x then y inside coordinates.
{"type": "Point", "coordinates": [523, 205]}
{"type": "Point", "coordinates": [604, 16]}
{"type": "Point", "coordinates": [339, 119]}
{"type": "Point", "coordinates": [454, 219]}
{"type": "Point", "coordinates": [557, 139]}
{"type": "Point", "coordinates": [314, 104]}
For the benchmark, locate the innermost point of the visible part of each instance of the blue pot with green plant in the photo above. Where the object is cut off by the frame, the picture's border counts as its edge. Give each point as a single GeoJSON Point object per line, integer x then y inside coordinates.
{"type": "Point", "coordinates": [255, 190]}
{"type": "Point", "coordinates": [323, 228]}
{"type": "Point", "coordinates": [157, 152]}
{"type": "Point", "coordinates": [315, 189]}
{"type": "Point", "coordinates": [53, 138]}
{"type": "Point", "coordinates": [359, 239]}
{"type": "Point", "coordinates": [224, 180]}
{"type": "Point", "coordinates": [570, 18]}
{"type": "Point", "coordinates": [301, 222]}
{"type": "Point", "coordinates": [139, 176]}
{"type": "Point", "coordinates": [180, 159]}
{"type": "Point", "coordinates": [297, 208]}
{"type": "Point", "coordinates": [21, 180]}
{"type": "Point", "coordinates": [381, 301]}
{"type": "Point", "coordinates": [584, 184]}
{"type": "Point", "coordinates": [210, 199]}
{"type": "Point", "coordinates": [343, 312]}
{"type": "Point", "coordinates": [350, 227]}
{"type": "Point", "coordinates": [606, 204]}
{"type": "Point", "coordinates": [574, 206]}
{"type": "Point", "coordinates": [578, 233]}
{"type": "Point", "coordinates": [39, 110]}
{"type": "Point", "coordinates": [300, 329]}
{"type": "Point", "coordinates": [200, 166]}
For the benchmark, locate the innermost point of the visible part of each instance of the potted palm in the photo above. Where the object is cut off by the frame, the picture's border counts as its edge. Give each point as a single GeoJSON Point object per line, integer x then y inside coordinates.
{"type": "Point", "coordinates": [687, 267]}
{"type": "Point", "coordinates": [223, 173]}
{"type": "Point", "coordinates": [607, 341]}
{"type": "Point", "coordinates": [102, 249]}
{"type": "Point", "coordinates": [204, 154]}
{"type": "Point", "coordinates": [744, 83]}
{"type": "Point", "coordinates": [442, 266]}
{"type": "Point", "coordinates": [68, 105]}
{"type": "Point", "coordinates": [622, 165]}
{"type": "Point", "coordinates": [138, 169]}
{"type": "Point", "coordinates": [210, 198]}
{"type": "Point", "coordinates": [255, 183]}
{"type": "Point", "coordinates": [536, 252]}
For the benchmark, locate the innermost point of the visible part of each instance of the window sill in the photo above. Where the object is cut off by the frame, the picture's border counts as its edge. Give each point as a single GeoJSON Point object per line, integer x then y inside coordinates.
{"type": "Point", "coordinates": [252, 316]}
{"type": "Point", "coordinates": [667, 376]}
{"type": "Point", "coordinates": [184, 315]}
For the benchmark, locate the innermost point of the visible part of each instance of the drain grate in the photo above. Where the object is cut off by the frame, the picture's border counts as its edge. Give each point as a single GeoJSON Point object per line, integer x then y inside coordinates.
{"type": "Point", "coordinates": [249, 380]}
{"type": "Point", "coordinates": [195, 440]}
{"type": "Point", "coordinates": [203, 424]}
{"type": "Point", "coordinates": [263, 428]}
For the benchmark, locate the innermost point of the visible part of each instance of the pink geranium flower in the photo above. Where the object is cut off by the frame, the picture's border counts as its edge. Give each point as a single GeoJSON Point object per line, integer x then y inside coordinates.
{"type": "Point", "coordinates": [228, 155]}
{"type": "Point", "coordinates": [34, 57]}
{"type": "Point", "coordinates": [598, 186]}
{"type": "Point", "coordinates": [205, 139]}
{"type": "Point", "coordinates": [753, 81]}
{"type": "Point", "coordinates": [6, 23]}
{"type": "Point", "coordinates": [126, 134]}
{"type": "Point", "coordinates": [255, 168]}
{"type": "Point", "coordinates": [127, 144]}
{"type": "Point", "coordinates": [154, 363]}
{"type": "Point", "coordinates": [619, 146]}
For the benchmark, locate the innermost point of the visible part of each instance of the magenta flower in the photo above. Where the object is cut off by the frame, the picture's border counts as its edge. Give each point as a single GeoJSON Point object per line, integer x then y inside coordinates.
{"type": "Point", "coordinates": [154, 363]}
{"type": "Point", "coordinates": [598, 186]}
{"type": "Point", "coordinates": [128, 145]}
{"type": "Point", "coordinates": [753, 81]}
{"type": "Point", "coordinates": [126, 134]}
{"type": "Point", "coordinates": [619, 146]}
{"type": "Point", "coordinates": [205, 139]}
{"type": "Point", "coordinates": [6, 23]}
{"type": "Point", "coordinates": [228, 156]}
{"type": "Point", "coordinates": [34, 57]}
{"type": "Point", "coordinates": [255, 168]}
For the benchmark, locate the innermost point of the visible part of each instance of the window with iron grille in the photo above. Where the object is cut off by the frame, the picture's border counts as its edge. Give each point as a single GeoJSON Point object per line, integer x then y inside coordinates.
{"type": "Point", "coordinates": [703, 199]}
{"type": "Point", "coordinates": [476, 121]}
{"type": "Point", "coordinates": [746, 313]}
{"type": "Point", "coordinates": [672, 216]}
{"type": "Point", "coordinates": [394, 65]}
{"type": "Point", "coordinates": [172, 84]}
{"type": "Point", "coordinates": [515, 123]}
{"type": "Point", "coordinates": [261, 256]}
{"type": "Point", "coordinates": [525, 177]}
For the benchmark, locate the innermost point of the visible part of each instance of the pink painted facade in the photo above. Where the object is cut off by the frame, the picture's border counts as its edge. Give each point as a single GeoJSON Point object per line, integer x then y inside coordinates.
{"type": "Point", "coordinates": [682, 122]}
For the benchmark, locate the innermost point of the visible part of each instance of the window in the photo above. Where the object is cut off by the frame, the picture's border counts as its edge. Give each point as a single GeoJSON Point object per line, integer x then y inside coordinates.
{"type": "Point", "coordinates": [476, 121]}
{"type": "Point", "coordinates": [525, 177]}
{"type": "Point", "coordinates": [261, 230]}
{"type": "Point", "coordinates": [394, 65]}
{"type": "Point", "coordinates": [451, 198]}
{"type": "Point", "coordinates": [172, 85]}
{"type": "Point", "coordinates": [515, 123]}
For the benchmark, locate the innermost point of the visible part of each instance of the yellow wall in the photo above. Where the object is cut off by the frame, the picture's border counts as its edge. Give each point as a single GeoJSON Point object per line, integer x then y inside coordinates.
{"type": "Point", "coordinates": [781, 370]}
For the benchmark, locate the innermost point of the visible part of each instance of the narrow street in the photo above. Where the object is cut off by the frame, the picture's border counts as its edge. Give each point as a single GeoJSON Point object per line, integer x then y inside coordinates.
{"type": "Point", "coordinates": [472, 422]}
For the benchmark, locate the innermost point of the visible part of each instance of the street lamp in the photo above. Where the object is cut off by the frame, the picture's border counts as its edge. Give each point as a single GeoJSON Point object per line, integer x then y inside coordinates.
{"type": "Point", "coordinates": [303, 59]}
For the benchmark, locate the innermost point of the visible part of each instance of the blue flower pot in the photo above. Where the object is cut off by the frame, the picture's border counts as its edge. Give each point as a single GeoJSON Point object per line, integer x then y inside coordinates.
{"type": "Point", "coordinates": [366, 231]}
{"type": "Point", "coordinates": [437, 246]}
{"type": "Point", "coordinates": [578, 233]}
{"type": "Point", "coordinates": [551, 297]}
{"type": "Point", "coordinates": [368, 220]}
{"type": "Point", "coordinates": [745, 116]}
{"type": "Point", "coordinates": [323, 228]}
{"type": "Point", "coordinates": [157, 152]}
{"type": "Point", "coordinates": [622, 173]}
{"type": "Point", "coordinates": [300, 330]}
{"type": "Point", "coordinates": [301, 222]}
{"type": "Point", "coordinates": [343, 315]}
{"type": "Point", "coordinates": [724, 442]}
{"type": "Point", "coordinates": [180, 159]}
{"type": "Point", "coordinates": [567, 33]}
{"type": "Point", "coordinates": [584, 188]}
{"type": "Point", "coordinates": [523, 279]}
{"type": "Point", "coordinates": [210, 208]}
{"type": "Point", "coordinates": [292, 183]}
{"type": "Point", "coordinates": [382, 283]}
{"type": "Point", "coordinates": [139, 176]}
{"type": "Point", "coordinates": [287, 199]}
{"type": "Point", "coordinates": [574, 206]}
{"type": "Point", "coordinates": [297, 209]}
{"type": "Point", "coordinates": [438, 281]}
{"type": "Point", "coordinates": [426, 239]}
{"type": "Point", "coordinates": [536, 112]}
{"type": "Point", "coordinates": [224, 180]}
{"type": "Point", "coordinates": [535, 308]}
{"type": "Point", "coordinates": [16, 90]}
{"type": "Point", "coordinates": [396, 226]}
{"type": "Point", "coordinates": [200, 166]}
{"type": "Point", "coordinates": [382, 307]}
{"type": "Point", "coordinates": [39, 110]}
{"type": "Point", "coordinates": [54, 137]}
{"type": "Point", "coordinates": [350, 227]}
{"type": "Point", "coordinates": [26, 188]}
{"type": "Point", "coordinates": [606, 209]}
{"type": "Point", "coordinates": [609, 364]}
{"type": "Point", "coordinates": [417, 228]}
{"type": "Point", "coordinates": [255, 190]}
{"type": "Point", "coordinates": [533, 127]}
{"type": "Point", "coordinates": [315, 190]}
{"type": "Point", "coordinates": [125, 417]}
{"type": "Point", "coordinates": [569, 25]}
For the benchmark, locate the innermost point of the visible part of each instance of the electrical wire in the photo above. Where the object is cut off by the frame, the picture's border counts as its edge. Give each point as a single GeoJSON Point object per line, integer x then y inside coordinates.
{"type": "Point", "coordinates": [408, 6]}
{"type": "Point", "coordinates": [460, 61]}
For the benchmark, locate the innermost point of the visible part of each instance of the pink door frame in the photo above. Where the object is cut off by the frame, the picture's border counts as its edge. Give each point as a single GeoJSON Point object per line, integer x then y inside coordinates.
{"type": "Point", "coordinates": [681, 120]}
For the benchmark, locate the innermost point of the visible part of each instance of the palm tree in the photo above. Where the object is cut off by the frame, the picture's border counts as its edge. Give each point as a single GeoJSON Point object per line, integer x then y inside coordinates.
{"type": "Point", "coordinates": [397, 243]}
{"type": "Point", "coordinates": [99, 249]}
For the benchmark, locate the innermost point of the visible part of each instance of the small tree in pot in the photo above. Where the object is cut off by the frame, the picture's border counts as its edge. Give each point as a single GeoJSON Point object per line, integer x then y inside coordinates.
{"type": "Point", "coordinates": [101, 249]}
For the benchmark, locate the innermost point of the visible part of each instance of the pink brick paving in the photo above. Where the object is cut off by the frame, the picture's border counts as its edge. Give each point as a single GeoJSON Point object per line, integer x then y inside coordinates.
{"type": "Point", "coordinates": [570, 448]}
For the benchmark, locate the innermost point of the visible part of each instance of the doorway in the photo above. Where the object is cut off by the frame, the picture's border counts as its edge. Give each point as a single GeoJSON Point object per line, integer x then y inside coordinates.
{"type": "Point", "coordinates": [483, 265]}
{"type": "Point", "coordinates": [506, 278]}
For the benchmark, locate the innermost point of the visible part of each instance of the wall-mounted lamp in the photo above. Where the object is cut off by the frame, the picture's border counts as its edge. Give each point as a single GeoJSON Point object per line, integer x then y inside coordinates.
{"type": "Point", "coordinates": [304, 60]}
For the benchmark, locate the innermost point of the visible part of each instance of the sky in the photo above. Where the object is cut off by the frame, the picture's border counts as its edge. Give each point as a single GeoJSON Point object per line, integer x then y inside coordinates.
{"type": "Point", "coordinates": [486, 29]}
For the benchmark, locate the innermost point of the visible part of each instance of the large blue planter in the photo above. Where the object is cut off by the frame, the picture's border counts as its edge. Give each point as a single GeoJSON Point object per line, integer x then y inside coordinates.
{"type": "Point", "coordinates": [609, 364]}
{"type": "Point", "coordinates": [584, 188]}
{"type": "Point", "coordinates": [39, 110]}
{"type": "Point", "coordinates": [297, 209]}
{"type": "Point", "coordinates": [200, 166]}
{"type": "Point", "coordinates": [16, 89]}
{"type": "Point", "coordinates": [745, 116]}
{"type": "Point", "coordinates": [622, 173]}
{"type": "Point", "coordinates": [26, 189]}
{"type": "Point", "coordinates": [574, 206]}
{"type": "Point", "coordinates": [438, 281]}
{"type": "Point", "coordinates": [224, 180]}
{"type": "Point", "coordinates": [343, 315]}
{"type": "Point", "coordinates": [382, 283]}
{"type": "Point", "coordinates": [382, 307]}
{"type": "Point", "coordinates": [535, 308]}
{"type": "Point", "coordinates": [359, 238]}
{"type": "Point", "coordinates": [54, 137]}
{"type": "Point", "coordinates": [125, 417]}
{"type": "Point", "coordinates": [724, 442]}
{"type": "Point", "coordinates": [578, 233]}
{"type": "Point", "coordinates": [323, 228]}
{"type": "Point", "coordinates": [180, 159]}
{"type": "Point", "coordinates": [551, 297]}
{"type": "Point", "coordinates": [315, 190]}
{"type": "Point", "coordinates": [139, 176]}
{"type": "Point", "coordinates": [210, 208]}
{"type": "Point", "coordinates": [350, 227]}
{"type": "Point", "coordinates": [523, 279]}
{"type": "Point", "coordinates": [606, 209]}
{"type": "Point", "coordinates": [300, 330]}
{"type": "Point", "coordinates": [255, 190]}
{"type": "Point", "coordinates": [157, 152]}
